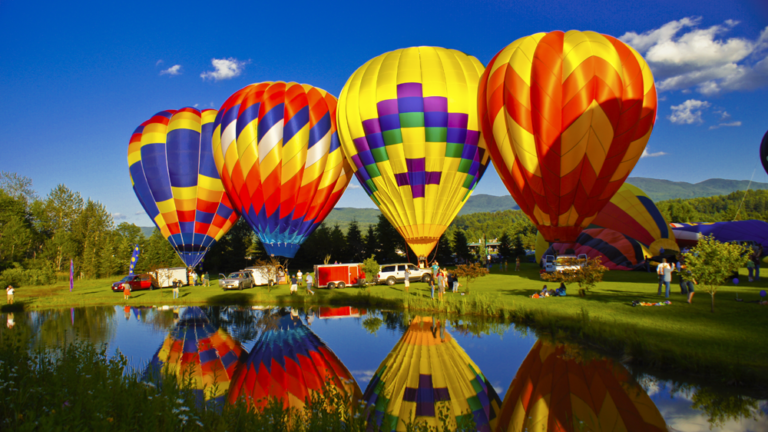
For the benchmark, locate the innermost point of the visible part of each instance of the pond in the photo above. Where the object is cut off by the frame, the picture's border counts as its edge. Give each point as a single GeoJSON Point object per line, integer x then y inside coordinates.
{"type": "Point", "coordinates": [500, 372]}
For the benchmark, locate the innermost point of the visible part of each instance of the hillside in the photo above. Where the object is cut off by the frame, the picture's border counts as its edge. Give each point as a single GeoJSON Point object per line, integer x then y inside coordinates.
{"type": "Point", "coordinates": [660, 190]}
{"type": "Point", "coordinates": [488, 203]}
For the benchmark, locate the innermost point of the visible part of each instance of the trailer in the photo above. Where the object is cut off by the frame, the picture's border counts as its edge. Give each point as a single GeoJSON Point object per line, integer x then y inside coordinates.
{"type": "Point", "coordinates": [165, 277]}
{"type": "Point", "coordinates": [262, 275]}
{"type": "Point", "coordinates": [339, 275]}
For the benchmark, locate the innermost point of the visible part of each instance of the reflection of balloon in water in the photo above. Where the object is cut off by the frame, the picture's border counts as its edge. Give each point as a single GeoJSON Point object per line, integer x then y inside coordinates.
{"type": "Point", "coordinates": [408, 124]}
{"type": "Point", "coordinates": [289, 363]}
{"type": "Point", "coordinates": [555, 390]}
{"type": "Point", "coordinates": [632, 213]}
{"type": "Point", "coordinates": [566, 117]}
{"type": "Point", "coordinates": [615, 250]}
{"type": "Point", "coordinates": [278, 154]}
{"type": "Point", "coordinates": [428, 371]}
{"type": "Point", "coordinates": [175, 179]}
{"type": "Point", "coordinates": [764, 152]}
{"type": "Point", "coordinates": [195, 350]}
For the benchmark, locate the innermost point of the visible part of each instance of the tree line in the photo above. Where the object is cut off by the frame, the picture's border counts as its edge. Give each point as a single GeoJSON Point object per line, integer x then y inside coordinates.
{"type": "Point", "coordinates": [739, 205]}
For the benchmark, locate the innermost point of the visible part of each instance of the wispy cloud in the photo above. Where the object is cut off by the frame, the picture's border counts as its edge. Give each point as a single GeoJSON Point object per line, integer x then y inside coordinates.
{"type": "Point", "coordinates": [683, 57]}
{"type": "Point", "coordinates": [647, 154]}
{"type": "Point", "coordinates": [363, 376]}
{"type": "Point", "coordinates": [354, 186]}
{"type": "Point", "coordinates": [730, 124]}
{"type": "Point", "coordinates": [688, 112]}
{"type": "Point", "coordinates": [224, 69]}
{"type": "Point", "coordinates": [140, 212]}
{"type": "Point", "coordinates": [118, 216]}
{"type": "Point", "coordinates": [159, 62]}
{"type": "Point", "coordinates": [172, 71]}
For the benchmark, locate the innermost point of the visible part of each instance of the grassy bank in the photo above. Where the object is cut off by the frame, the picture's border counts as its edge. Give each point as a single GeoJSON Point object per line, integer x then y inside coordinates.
{"type": "Point", "coordinates": [727, 344]}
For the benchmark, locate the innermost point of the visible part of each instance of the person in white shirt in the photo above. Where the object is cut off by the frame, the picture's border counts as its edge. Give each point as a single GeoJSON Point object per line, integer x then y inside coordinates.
{"type": "Point", "coordinates": [665, 270]}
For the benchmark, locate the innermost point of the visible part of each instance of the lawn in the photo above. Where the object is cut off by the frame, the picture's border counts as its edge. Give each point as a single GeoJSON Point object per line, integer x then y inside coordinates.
{"type": "Point", "coordinates": [727, 343]}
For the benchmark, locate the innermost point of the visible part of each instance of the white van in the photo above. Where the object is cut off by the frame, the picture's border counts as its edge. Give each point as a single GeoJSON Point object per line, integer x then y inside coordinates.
{"type": "Point", "coordinates": [166, 276]}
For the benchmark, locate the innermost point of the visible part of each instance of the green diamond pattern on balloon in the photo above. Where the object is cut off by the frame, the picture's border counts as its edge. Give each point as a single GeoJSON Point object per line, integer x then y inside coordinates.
{"type": "Point", "coordinates": [393, 136]}
{"type": "Point", "coordinates": [454, 150]}
{"type": "Point", "coordinates": [412, 120]}
{"type": "Point", "coordinates": [464, 166]}
{"type": "Point", "coordinates": [436, 134]}
{"type": "Point", "coordinates": [380, 154]}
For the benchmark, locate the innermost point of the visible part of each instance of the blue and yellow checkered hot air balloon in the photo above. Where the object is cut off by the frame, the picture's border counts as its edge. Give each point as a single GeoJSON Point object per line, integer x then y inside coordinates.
{"type": "Point", "coordinates": [426, 376]}
{"type": "Point", "coordinates": [408, 124]}
{"type": "Point", "coordinates": [175, 178]}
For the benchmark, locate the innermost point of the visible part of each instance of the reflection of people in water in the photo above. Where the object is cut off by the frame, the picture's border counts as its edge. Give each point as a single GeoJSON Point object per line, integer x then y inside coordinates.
{"type": "Point", "coordinates": [441, 324]}
{"type": "Point", "coordinates": [127, 311]}
{"type": "Point", "coordinates": [10, 322]}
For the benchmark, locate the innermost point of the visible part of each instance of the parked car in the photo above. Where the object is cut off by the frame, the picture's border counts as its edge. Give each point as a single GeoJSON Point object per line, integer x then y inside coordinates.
{"type": "Point", "coordinates": [394, 273]}
{"type": "Point", "coordinates": [339, 275]}
{"type": "Point", "coordinates": [236, 280]}
{"type": "Point", "coordinates": [136, 282]}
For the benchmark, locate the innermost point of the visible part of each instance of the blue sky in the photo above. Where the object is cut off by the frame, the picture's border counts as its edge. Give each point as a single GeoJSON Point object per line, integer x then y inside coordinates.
{"type": "Point", "coordinates": [76, 78]}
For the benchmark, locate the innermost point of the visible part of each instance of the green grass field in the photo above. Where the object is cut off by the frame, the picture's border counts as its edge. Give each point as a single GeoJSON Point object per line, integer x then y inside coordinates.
{"type": "Point", "coordinates": [727, 343]}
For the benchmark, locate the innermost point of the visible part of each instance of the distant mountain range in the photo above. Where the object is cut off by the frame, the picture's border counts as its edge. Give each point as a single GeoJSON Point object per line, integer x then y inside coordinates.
{"type": "Point", "coordinates": [658, 190]}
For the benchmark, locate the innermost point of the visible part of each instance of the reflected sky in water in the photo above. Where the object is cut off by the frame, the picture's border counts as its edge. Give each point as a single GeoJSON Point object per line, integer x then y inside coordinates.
{"type": "Point", "coordinates": [497, 350]}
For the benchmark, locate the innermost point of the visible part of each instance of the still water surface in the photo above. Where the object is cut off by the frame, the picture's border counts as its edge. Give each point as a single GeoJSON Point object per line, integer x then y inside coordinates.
{"type": "Point", "coordinates": [511, 359]}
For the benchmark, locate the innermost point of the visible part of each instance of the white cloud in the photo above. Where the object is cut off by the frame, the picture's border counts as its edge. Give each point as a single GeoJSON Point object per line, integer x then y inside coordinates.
{"type": "Point", "coordinates": [159, 62]}
{"type": "Point", "coordinates": [363, 376]}
{"type": "Point", "coordinates": [353, 186]}
{"type": "Point", "coordinates": [688, 112]}
{"type": "Point", "coordinates": [683, 56]}
{"type": "Point", "coordinates": [731, 124]}
{"type": "Point", "coordinates": [140, 212]}
{"type": "Point", "coordinates": [118, 216]}
{"type": "Point", "coordinates": [225, 69]}
{"type": "Point", "coordinates": [646, 154]}
{"type": "Point", "coordinates": [196, 105]}
{"type": "Point", "coordinates": [173, 70]}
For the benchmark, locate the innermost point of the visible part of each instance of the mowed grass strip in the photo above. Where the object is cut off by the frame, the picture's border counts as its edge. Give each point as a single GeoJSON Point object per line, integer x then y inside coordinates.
{"type": "Point", "coordinates": [682, 335]}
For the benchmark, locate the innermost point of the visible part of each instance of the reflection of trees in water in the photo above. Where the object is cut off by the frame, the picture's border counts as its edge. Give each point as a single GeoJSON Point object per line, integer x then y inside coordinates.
{"type": "Point", "coordinates": [160, 320]}
{"type": "Point", "coordinates": [243, 323]}
{"type": "Point", "coordinates": [56, 328]}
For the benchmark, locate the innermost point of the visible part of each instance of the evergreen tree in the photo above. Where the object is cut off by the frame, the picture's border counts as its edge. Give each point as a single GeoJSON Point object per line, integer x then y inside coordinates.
{"type": "Point", "coordinates": [338, 245]}
{"type": "Point", "coordinates": [461, 246]}
{"type": "Point", "coordinates": [355, 242]}
{"type": "Point", "coordinates": [444, 253]}
{"type": "Point", "coordinates": [518, 250]}
{"type": "Point", "coordinates": [505, 246]}
{"type": "Point", "coordinates": [389, 241]}
{"type": "Point", "coordinates": [371, 242]}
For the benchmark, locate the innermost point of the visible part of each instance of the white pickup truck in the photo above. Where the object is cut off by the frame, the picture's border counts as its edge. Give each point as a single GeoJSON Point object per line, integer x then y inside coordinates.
{"type": "Point", "coordinates": [391, 274]}
{"type": "Point", "coordinates": [564, 263]}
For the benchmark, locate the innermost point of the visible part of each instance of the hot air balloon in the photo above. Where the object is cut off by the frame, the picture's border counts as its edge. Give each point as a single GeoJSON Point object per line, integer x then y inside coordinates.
{"type": "Point", "coordinates": [175, 178]}
{"type": "Point", "coordinates": [409, 128]}
{"type": "Point", "coordinates": [764, 152]}
{"type": "Point", "coordinates": [426, 372]}
{"type": "Point", "coordinates": [289, 362]}
{"type": "Point", "coordinates": [278, 154]}
{"type": "Point", "coordinates": [566, 117]}
{"type": "Point", "coordinates": [556, 388]}
{"type": "Point", "coordinates": [632, 213]}
{"type": "Point", "coordinates": [196, 351]}
{"type": "Point", "coordinates": [615, 250]}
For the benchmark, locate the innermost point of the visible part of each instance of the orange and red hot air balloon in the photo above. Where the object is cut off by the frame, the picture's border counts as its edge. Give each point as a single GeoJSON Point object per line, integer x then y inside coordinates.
{"type": "Point", "coordinates": [566, 116]}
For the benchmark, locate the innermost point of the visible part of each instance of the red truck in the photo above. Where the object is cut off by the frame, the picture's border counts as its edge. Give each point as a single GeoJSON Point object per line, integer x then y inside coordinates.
{"type": "Point", "coordinates": [339, 275]}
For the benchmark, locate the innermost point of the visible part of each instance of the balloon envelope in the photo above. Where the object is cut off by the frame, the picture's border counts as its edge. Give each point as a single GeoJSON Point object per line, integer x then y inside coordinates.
{"type": "Point", "coordinates": [566, 117]}
{"type": "Point", "coordinates": [277, 151]}
{"type": "Point", "coordinates": [195, 350]}
{"type": "Point", "coordinates": [615, 250]}
{"type": "Point", "coordinates": [289, 362]}
{"type": "Point", "coordinates": [555, 389]}
{"type": "Point", "coordinates": [764, 152]}
{"type": "Point", "coordinates": [174, 176]}
{"type": "Point", "coordinates": [425, 371]}
{"type": "Point", "coordinates": [408, 124]}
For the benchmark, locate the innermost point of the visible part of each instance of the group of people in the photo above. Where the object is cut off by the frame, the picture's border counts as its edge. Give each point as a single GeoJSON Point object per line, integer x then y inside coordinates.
{"type": "Point", "coordinates": [204, 280]}
{"type": "Point", "coordinates": [296, 280]}
{"type": "Point", "coordinates": [441, 280]}
{"type": "Point", "coordinates": [559, 292]}
{"type": "Point", "coordinates": [664, 272]}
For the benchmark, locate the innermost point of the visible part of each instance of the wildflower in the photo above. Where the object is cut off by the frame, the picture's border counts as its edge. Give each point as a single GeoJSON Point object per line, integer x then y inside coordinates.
{"type": "Point", "coordinates": [183, 408]}
{"type": "Point", "coordinates": [183, 418]}
{"type": "Point", "coordinates": [198, 423]}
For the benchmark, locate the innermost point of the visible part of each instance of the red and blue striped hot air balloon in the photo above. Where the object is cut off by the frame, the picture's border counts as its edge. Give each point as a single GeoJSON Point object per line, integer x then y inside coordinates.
{"type": "Point", "coordinates": [195, 350]}
{"type": "Point", "coordinates": [175, 178]}
{"type": "Point", "coordinates": [278, 155]}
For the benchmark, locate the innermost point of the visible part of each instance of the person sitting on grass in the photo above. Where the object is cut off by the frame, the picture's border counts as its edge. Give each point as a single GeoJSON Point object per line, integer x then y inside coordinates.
{"type": "Point", "coordinates": [544, 293]}
{"type": "Point", "coordinates": [560, 291]}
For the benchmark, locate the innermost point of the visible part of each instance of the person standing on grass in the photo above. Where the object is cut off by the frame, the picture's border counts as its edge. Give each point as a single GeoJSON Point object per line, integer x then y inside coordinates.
{"type": "Point", "coordinates": [517, 264]}
{"type": "Point", "coordinates": [176, 284]}
{"type": "Point", "coordinates": [689, 284]}
{"type": "Point", "coordinates": [126, 291]}
{"type": "Point", "coordinates": [407, 276]}
{"type": "Point", "coordinates": [666, 270]}
{"type": "Point", "coordinates": [679, 268]}
{"type": "Point", "coordinates": [756, 261]}
{"type": "Point", "coordinates": [294, 288]}
{"type": "Point", "coordinates": [207, 279]}
{"type": "Point", "coordinates": [309, 284]}
{"type": "Point", "coordinates": [751, 267]}
{"type": "Point", "coordinates": [432, 285]}
{"type": "Point", "coordinates": [435, 269]}
{"type": "Point", "coordinates": [660, 274]}
{"type": "Point", "coordinates": [299, 275]}
{"type": "Point", "coordinates": [9, 294]}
